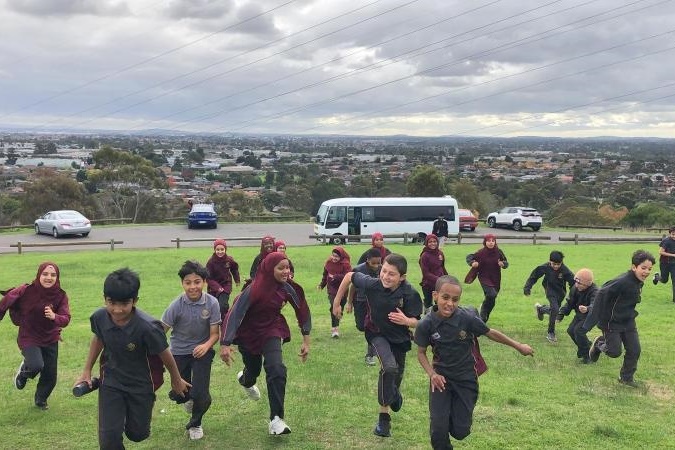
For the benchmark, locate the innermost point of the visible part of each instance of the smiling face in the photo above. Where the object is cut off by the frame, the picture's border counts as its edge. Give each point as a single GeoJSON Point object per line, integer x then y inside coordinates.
{"type": "Point", "coordinates": [390, 276]}
{"type": "Point", "coordinates": [220, 251]}
{"type": "Point", "coordinates": [642, 270]}
{"type": "Point", "coordinates": [193, 286]}
{"type": "Point", "coordinates": [120, 311]}
{"type": "Point", "coordinates": [447, 299]}
{"type": "Point", "coordinates": [48, 277]}
{"type": "Point", "coordinates": [378, 242]}
{"type": "Point", "coordinates": [282, 271]}
{"type": "Point", "coordinates": [335, 257]}
{"type": "Point", "coordinates": [432, 243]}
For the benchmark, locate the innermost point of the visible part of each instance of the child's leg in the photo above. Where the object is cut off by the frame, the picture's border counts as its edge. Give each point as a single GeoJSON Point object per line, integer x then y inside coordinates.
{"type": "Point", "coordinates": [45, 386]}
{"type": "Point", "coordinates": [33, 362]}
{"type": "Point", "coordinates": [428, 300]}
{"type": "Point", "coordinates": [252, 367]}
{"type": "Point", "coordinates": [199, 392]}
{"type": "Point", "coordinates": [439, 418]}
{"type": "Point", "coordinates": [275, 372]}
{"type": "Point", "coordinates": [360, 310]}
{"type": "Point", "coordinates": [334, 320]}
{"type": "Point", "coordinates": [463, 400]}
{"type": "Point", "coordinates": [112, 411]}
{"type": "Point", "coordinates": [578, 336]}
{"type": "Point", "coordinates": [631, 343]}
{"type": "Point", "coordinates": [184, 364]}
{"type": "Point", "coordinates": [671, 273]}
{"type": "Point", "coordinates": [387, 390]}
{"type": "Point", "coordinates": [139, 415]}
{"type": "Point", "coordinates": [488, 304]}
{"type": "Point", "coordinates": [554, 304]}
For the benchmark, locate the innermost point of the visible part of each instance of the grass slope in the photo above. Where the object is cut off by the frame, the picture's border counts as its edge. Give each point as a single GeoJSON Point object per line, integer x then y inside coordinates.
{"type": "Point", "coordinates": [546, 402]}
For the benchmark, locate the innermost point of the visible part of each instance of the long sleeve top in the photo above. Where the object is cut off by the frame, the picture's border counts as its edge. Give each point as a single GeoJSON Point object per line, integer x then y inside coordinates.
{"type": "Point", "coordinates": [554, 281]}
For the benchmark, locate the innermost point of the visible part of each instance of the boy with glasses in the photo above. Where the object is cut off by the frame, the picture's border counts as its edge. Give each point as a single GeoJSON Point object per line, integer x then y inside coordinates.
{"type": "Point", "coordinates": [580, 301]}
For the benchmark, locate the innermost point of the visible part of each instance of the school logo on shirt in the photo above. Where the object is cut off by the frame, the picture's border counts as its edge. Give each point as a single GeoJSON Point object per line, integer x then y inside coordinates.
{"type": "Point", "coordinates": [205, 313]}
{"type": "Point", "coordinates": [131, 347]}
{"type": "Point", "coordinates": [463, 335]}
{"type": "Point", "coordinates": [399, 304]}
{"type": "Point", "coordinates": [436, 336]}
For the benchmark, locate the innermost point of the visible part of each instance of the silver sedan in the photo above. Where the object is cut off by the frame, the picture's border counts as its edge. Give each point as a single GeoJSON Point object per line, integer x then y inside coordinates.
{"type": "Point", "coordinates": [61, 223]}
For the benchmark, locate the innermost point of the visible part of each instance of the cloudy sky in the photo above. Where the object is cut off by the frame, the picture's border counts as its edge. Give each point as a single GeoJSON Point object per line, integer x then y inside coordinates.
{"type": "Point", "coordinates": [569, 68]}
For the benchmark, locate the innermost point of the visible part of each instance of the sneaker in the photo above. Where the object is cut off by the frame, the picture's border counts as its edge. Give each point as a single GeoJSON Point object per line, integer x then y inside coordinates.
{"type": "Point", "coordinates": [594, 352]}
{"type": "Point", "coordinates": [631, 382]}
{"type": "Point", "coordinates": [371, 360]}
{"type": "Point", "coordinates": [397, 404]}
{"type": "Point", "coordinates": [42, 405]}
{"type": "Point", "coordinates": [253, 392]}
{"type": "Point", "coordinates": [551, 337]}
{"type": "Point", "coordinates": [278, 426]}
{"type": "Point", "coordinates": [335, 333]}
{"type": "Point", "coordinates": [187, 406]}
{"type": "Point", "coordinates": [540, 313]}
{"type": "Point", "coordinates": [196, 433]}
{"type": "Point", "coordinates": [382, 428]}
{"type": "Point", "coordinates": [20, 380]}
{"type": "Point", "coordinates": [585, 360]}
{"type": "Point", "coordinates": [657, 278]}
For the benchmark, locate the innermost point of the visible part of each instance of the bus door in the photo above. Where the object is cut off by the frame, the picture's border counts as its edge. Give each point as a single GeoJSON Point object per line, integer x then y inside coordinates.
{"type": "Point", "coordinates": [354, 222]}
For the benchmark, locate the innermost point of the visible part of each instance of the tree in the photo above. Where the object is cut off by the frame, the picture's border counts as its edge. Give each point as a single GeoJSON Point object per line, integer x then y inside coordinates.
{"type": "Point", "coordinates": [324, 190]}
{"type": "Point", "coordinates": [298, 199]}
{"type": "Point", "coordinates": [426, 181]}
{"type": "Point", "coordinates": [127, 178]}
{"type": "Point", "coordinates": [51, 190]}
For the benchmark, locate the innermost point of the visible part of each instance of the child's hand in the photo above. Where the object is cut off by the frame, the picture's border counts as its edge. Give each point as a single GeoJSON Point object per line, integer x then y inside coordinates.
{"type": "Point", "coordinates": [226, 354]}
{"type": "Point", "coordinates": [348, 308]}
{"type": "Point", "coordinates": [304, 351]}
{"type": "Point", "coordinates": [337, 310]}
{"type": "Point", "coordinates": [437, 382]}
{"type": "Point", "coordinates": [525, 350]}
{"type": "Point", "coordinates": [49, 313]}
{"type": "Point", "coordinates": [583, 309]}
{"type": "Point", "coordinates": [200, 350]}
{"type": "Point", "coordinates": [180, 386]}
{"type": "Point", "coordinates": [474, 264]}
{"type": "Point", "coordinates": [398, 317]}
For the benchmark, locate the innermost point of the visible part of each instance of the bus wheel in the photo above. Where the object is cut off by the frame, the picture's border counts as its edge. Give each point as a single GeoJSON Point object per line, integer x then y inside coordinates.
{"type": "Point", "coordinates": [337, 239]}
{"type": "Point", "coordinates": [421, 237]}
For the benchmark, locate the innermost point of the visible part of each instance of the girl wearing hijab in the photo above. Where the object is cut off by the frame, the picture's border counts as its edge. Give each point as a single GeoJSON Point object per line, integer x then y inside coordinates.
{"type": "Point", "coordinates": [378, 243]}
{"type": "Point", "coordinates": [222, 270]}
{"type": "Point", "coordinates": [280, 246]}
{"type": "Point", "coordinates": [40, 309]}
{"type": "Point", "coordinates": [256, 324]}
{"type": "Point", "coordinates": [266, 247]}
{"type": "Point", "coordinates": [335, 269]}
{"type": "Point", "coordinates": [432, 263]}
{"type": "Point", "coordinates": [487, 263]}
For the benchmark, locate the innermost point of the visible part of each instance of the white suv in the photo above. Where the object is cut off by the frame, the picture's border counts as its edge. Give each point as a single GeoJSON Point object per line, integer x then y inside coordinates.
{"type": "Point", "coordinates": [516, 217]}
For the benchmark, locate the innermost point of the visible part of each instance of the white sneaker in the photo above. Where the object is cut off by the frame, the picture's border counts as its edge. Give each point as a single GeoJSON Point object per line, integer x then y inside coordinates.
{"type": "Point", "coordinates": [196, 433]}
{"type": "Point", "coordinates": [335, 333]}
{"type": "Point", "coordinates": [278, 426]}
{"type": "Point", "coordinates": [253, 392]}
{"type": "Point", "coordinates": [188, 406]}
{"type": "Point", "coordinates": [371, 360]}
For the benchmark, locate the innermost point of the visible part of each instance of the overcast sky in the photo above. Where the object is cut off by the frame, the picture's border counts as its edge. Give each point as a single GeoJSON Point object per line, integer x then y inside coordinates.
{"type": "Point", "coordinates": [570, 68]}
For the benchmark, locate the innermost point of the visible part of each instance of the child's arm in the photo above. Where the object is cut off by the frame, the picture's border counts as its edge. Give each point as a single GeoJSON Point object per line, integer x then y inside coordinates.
{"type": "Point", "coordinates": [95, 349]}
{"type": "Point", "coordinates": [342, 290]}
{"type": "Point", "coordinates": [178, 385]}
{"type": "Point", "coordinates": [214, 334]}
{"type": "Point", "coordinates": [534, 276]}
{"type": "Point", "coordinates": [498, 336]}
{"type": "Point", "coordinates": [437, 381]}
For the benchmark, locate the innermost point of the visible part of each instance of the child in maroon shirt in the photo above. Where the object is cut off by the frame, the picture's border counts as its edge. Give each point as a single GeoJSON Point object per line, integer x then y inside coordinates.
{"type": "Point", "coordinates": [335, 269]}
{"type": "Point", "coordinates": [488, 263]}
{"type": "Point", "coordinates": [222, 270]}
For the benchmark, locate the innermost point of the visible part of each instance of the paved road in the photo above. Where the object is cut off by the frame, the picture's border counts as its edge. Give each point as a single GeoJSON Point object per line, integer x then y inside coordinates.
{"type": "Point", "coordinates": [294, 234]}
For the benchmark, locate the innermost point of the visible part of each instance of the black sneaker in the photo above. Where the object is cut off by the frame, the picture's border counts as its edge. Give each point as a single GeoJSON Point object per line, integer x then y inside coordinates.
{"type": "Point", "coordinates": [396, 404]}
{"type": "Point", "coordinates": [20, 380]}
{"type": "Point", "coordinates": [383, 428]}
{"type": "Point", "coordinates": [550, 336]}
{"type": "Point", "coordinates": [594, 352]}
{"type": "Point", "coordinates": [540, 313]}
{"type": "Point", "coordinates": [42, 405]}
{"type": "Point", "coordinates": [631, 382]}
{"type": "Point", "coordinates": [657, 278]}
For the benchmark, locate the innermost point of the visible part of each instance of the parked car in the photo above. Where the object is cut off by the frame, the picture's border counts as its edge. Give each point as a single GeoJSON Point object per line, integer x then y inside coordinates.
{"type": "Point", "coordinates": [467, 221]}
{"type": "Point", "coordinates": [516, 217]}
{"type": "Point", "coordinates": [202, 215]}
{"type": "Point", "coordinates": [63, 222]}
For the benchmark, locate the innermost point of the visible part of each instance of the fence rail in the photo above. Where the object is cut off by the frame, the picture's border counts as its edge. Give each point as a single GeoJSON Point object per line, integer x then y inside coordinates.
{"type": "Point", "coordinates": [21, 245]}
{"type": "Point", "coordinates": [178, 240]}
{"type": "Point", "coordinates": [576, 239]}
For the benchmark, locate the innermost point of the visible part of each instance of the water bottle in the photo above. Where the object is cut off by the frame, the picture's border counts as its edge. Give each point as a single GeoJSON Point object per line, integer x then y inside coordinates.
{"type": "Point", "coordinates": [83, 388]}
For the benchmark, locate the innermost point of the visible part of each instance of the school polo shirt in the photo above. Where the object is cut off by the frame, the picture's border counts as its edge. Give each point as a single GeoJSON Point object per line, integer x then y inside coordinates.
{"type": "Point", "coordinates": [191, 322]}
{"type": "Point", "coordinates": [668, 245]}
{"type": "Point", "coordinates": [450, 340]}
{"type": "Point", "coordinates": [382, 301]}
{"type": "Point", "coordinates": [126, 349]}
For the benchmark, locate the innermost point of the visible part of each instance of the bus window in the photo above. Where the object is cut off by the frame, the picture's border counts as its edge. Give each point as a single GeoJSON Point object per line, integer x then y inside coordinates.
{"type": "Point", "coordinates": [336, 216]}
{"type": "Point", "coordinates": [368, 214]}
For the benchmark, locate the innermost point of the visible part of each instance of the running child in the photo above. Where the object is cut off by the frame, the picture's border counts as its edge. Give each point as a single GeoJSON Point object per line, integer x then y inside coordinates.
{"type": "Point", "coordinates": [488, 263]}
{"type": "Point", "coordinates": [334, 270]}
{"type": "Point", "coordinates": [222, 270]}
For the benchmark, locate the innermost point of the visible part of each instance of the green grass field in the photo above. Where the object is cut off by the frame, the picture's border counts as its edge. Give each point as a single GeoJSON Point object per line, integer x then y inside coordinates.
{"type": "Point", "coordinates": [546, 402]}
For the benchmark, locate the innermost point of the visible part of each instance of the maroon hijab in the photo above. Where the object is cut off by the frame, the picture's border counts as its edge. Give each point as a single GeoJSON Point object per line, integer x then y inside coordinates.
{"type": "Point", "coordinates": [50, 295]}
{"type": "Point", "coordinates": [383, 249]}
{"type": "Point", "coordinates": [342, 266]}
{"type": "Point", "coordinates": [264, 282]}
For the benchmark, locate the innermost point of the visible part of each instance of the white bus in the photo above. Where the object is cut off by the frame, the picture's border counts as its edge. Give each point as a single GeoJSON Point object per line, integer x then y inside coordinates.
{"type": "Point", "coordinates": [340, 217]}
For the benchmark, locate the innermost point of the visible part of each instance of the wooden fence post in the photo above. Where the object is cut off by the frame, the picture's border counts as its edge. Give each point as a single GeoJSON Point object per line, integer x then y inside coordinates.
{"type": "Point", "coordinates": [112, 245]}
{"type": "Point", "coordinates": [576, 239]}
{"type": "Point", "coordinates": [177, 242]}
{"type": "Point", "coordinates": [18, 247]}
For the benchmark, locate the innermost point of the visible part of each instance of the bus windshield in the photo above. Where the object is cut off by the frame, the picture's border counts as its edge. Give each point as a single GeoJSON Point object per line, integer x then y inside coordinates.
{"type": "Point", "coordinates": [321, 215]}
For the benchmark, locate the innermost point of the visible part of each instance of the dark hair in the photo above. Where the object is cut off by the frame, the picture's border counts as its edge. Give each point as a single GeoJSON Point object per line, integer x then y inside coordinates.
{"type": "Point", "coordinates": [373, 252]}
{"type": "Point", "coordinates": [671, 229]}
{"type": "Point", "coordinates": [190, 266]}
{"type": "Point", "coordinates": [446, 279]}
{"type": "Point", "coordinates": [641, 256]}
{"type": "Point", "coordinates": [397, 261]}
{"type": "Point", "coordinates": [556, 256]}
{"type": "Point", "coordinates": [122, 285]}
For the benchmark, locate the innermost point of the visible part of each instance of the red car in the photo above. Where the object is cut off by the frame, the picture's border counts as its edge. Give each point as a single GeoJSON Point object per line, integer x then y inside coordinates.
{"type": "Point", "coordinates": [467, 221]}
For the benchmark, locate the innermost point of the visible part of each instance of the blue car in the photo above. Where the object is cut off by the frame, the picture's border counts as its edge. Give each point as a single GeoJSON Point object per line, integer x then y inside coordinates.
{"type": "Point", "coordinates": [202, 215]}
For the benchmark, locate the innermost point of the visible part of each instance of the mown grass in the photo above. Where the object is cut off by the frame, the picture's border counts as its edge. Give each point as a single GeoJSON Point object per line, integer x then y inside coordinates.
{"type": "Point", "coordinates": [546, 402]}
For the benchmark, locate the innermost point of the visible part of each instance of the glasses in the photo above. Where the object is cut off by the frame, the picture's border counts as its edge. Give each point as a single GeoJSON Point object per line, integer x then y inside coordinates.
{"type": "Point", "coordinates": [581, 283]}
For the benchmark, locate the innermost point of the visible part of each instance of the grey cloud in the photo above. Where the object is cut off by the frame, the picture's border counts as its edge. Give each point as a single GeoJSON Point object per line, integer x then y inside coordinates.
{"type": "Point", "coordinates": [69, 7]}
{"type": "Point", "coordinates": [198, 9]}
